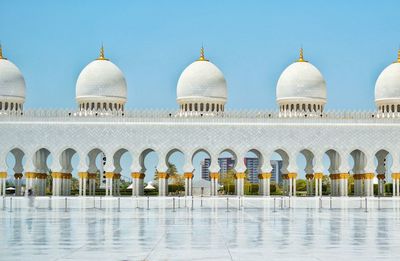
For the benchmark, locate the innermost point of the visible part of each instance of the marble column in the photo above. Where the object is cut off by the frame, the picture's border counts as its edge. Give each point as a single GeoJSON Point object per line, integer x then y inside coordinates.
{"type": "Point", "coordinates": [318, 184]}
{"type": "Point", "coordinates": [116, 184]}
{"type": "Point", "coordinates": [369, 184]}
{"type": "Point", "coordinates": [309, 184]}
{"type": "Point", "coordinates": [163, 184]}
{"type": "Point", "coordinates": [214, 177]}
{"type": "Point", "coordinates": [83, 176]}
{"type": "Point", "coordinates": [264, 183]}
{"type": "Point", "coordinates": [292, 184]}
{"type": "Point", "coordinates": [239, 187]}
{"type": "Point", "coordinates": [381, 184]}
{"type": "Point", "coordinates": [92, 183]}
{"type": "Point", "coordinates": [18, 184]}
{"type": "Point", "coordinates": [396, 187]}
{"type": "Point", "coordinates": [56, 187]}
{"type": "Point", "coordinates": [3, 178]}
{"type": "Point", "coordinates": [188, 183]}
{"type": "Point", "coordinates": [109, 183]}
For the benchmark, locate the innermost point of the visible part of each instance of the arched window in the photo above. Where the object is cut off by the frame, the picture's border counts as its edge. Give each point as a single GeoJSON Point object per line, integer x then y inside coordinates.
{"type": "Point", "coordinates": [195, 107]}
{"type": "Point", "coordinates": [212, 107]}
{"type": "Point", "coordinates": [207, 107]}
{"type": "Point", "coordinates": [110, 106]}
{"type": "Point", "coordinates": [1, 106]}
{"type": "Point", "coordinates": [201, 107]}
{"type": "Point", "coordinates": [217, 107]}
{"type": "Point", "coordinates": [398, 108]}
{"type": "Point", "coordinates": [393, 108]}
{"type": "Point", "coordinates": [6, 106]}
{"type": "Point", "coordinates": [190, 107]}
{"type": "Point", "coordinates": [387, 108]}
{"type": "Point", "coordinates": [185, 107]}
{"type": "Point", "coordinates": [309, 107]}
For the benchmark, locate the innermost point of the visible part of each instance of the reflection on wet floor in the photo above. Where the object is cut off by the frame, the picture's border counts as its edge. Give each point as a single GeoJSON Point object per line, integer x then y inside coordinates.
{"type": "Point", "coordinates": [200, 234]}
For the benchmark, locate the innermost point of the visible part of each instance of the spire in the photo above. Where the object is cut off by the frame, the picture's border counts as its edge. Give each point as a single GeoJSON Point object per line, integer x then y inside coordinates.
{"type": "Point", "coordinates": [101, 56]}
{"type": "Point", "coordinates": [1, 53]}
{"type": "Point", "coordinates": [301, 57]}
{"type": "Point", "coordinates": [398, 55]}
{"type": "Point", "coordinates": [202, 58]}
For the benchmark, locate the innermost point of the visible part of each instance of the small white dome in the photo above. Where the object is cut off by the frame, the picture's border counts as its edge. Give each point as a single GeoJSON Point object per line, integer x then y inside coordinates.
{"type": "Point", "coordinates": [12, 83]}
{"type": "Point", "coordinates": [301, 82]}
{"type": "Point", "coordinates": [101, 81]}
{"type": "Point", "coordinates": [387, 87]}
{"type": "Point", "coordinates": [202, 81]}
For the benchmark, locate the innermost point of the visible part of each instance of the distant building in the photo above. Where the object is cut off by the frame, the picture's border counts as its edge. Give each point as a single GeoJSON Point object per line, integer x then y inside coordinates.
{"type": "Point", "coordinates": [251, 164]}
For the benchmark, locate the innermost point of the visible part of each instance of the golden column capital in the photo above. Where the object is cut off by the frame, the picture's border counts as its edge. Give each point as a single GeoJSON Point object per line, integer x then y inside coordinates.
{"type": "Point", "coordinates": [369, 175]}
{"type": "Point", "coordinates": [92, 175]}
{"type": "Point", "coordinates": [137, 175]}
{"type": "Point", "coordinates": [381, 176]}
{"type": "Point", "coordinates": [395, 175]}
{"type": "Point", "coordinates": [240, 175]}
{"type": "Point", "coordinates": [292, 175]}
{"type": "Point", "coordinates": [3, 175]}
{"type": "Point", "coordinates": [109, 175]}
{"type": "Point", "coordinates": [309, 176]}
{"type": "Point", "coordinates": [117, 176]}
{"type": "Point", "coordinates": [83, 175]}
{"type": "Point", "coordinates": [214, 175]}
{"type": "Point", "coordinates": [188, 175]}
{"type": "Point", "coordinates": [18, 175]}
{"type": "Point", "coordinates": [265, 175]}
{"type": "Point", "coordinates": [56, 175]}
{"type": "Point", "coordinates": [30, 175]}
{"type": "Point", "coordinates": [318, 175]}
{"type": "Point", "coordinates": [163, 175]}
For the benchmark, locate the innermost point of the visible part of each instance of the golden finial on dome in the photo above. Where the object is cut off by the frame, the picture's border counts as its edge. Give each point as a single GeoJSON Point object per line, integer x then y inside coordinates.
{"type": "Point", "coordinates": [301, 57]}
{"type": "Point", "coordinates": [101, 56]}
{"type": "Point", "coordinates": [202, 58]}
{"type": "Point", "coordinates": [398, 55]}
{"type": "Point", "coordinates": [1, 53]}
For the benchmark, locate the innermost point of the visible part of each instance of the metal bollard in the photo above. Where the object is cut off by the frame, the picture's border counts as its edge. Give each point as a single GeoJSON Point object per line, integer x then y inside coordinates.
{"type": "Point", "coordinates": [227, 204]}
{"type": "Point", "coordinates": [366, 204]}
{"type": "Point", "coordinates": [173, 204]}
{"type": "Point", "coordinates": [179, 201]}
{"type": "Point", "coordinates": [281, 202]}
{"type": "Point", "coordinates": [4, 202]}
{"type": "Point", "coordinates": [148, 203]}
{"type": "Point", "coordinates": [100, 203]}
{"type": "Point", "coordinates": [330, 202]}
{"type": "Point", "coordinates": [320, 202]}
{"type": "Point", "coordinates": [119, 204]}
{"type": "Point", "coordinates": [94, 202]}
{"type": "Point", "coordinates": [65, 205]}
{"type": "Point", "coordinates": [201, 201]}
{"type": "Point", "coordinates": [49, 203]}
{"type": "Point", "coordinates": [360, 202]}
{"type": "Point", "coordinates": [192, 203]}
{"type": "Point", "coordinates": [11, 204]}
{"type": "Point", "coordinates": [289, 202]}
{"type": "Point", "coordinates": [239, 203]}
{"type": "Point", "coordinates": [274, 204]}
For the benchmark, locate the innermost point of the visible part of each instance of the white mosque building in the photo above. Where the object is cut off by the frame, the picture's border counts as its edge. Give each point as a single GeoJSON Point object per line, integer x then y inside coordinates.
{"type": "Point", "coordinates": [101, 126]}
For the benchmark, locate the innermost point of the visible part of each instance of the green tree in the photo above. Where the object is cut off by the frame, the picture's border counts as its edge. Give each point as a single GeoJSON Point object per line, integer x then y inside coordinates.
{"type": "Point", "coordinates": [301, 185]}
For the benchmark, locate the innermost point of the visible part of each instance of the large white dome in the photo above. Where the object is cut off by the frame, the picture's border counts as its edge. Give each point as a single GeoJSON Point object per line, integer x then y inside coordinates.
{"type": "Point", "coordinates": [301, 82]}
{"type": "Point", "coordinates": [12, 83]}
{"type": "Point", "coordinates": [202, 81]}
{"type": "Point", "coordinates": [387, 87]}
{"type": "Point", "coordinates": [101, 80]}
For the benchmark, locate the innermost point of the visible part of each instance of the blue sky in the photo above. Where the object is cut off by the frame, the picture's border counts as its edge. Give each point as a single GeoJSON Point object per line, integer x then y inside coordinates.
{"type": "Point", "coordinates": [153, 41]}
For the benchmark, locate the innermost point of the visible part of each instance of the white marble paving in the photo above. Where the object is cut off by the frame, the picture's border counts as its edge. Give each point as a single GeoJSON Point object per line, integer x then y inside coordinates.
{"type": "Point", "coordinates": [199, 234]}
